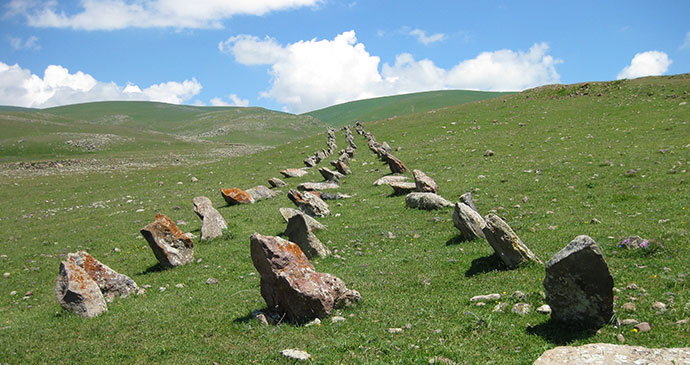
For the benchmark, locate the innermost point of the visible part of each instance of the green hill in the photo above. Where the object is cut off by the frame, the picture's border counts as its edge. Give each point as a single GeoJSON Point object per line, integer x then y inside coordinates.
{"type": "Point", "coordinates": [397, 105]}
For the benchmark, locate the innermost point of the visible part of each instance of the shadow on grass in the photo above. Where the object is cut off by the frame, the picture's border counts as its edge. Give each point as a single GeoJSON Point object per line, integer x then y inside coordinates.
{"type": "Point", "coordinates": [484, 265]}
{"type": "Point", "coordinates": [273, 318]}
{"type": "Point", "coordinates": [153, 268]}
{"type": "Point", "coordinates": [455, 240]}
{"type": "Point", "coordinates": [560, 333]}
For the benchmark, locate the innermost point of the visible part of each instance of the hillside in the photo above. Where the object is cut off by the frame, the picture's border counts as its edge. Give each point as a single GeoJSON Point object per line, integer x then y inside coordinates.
{"type": "Point", "coordinates": [397, 105]}
{"type": "Point", "coordinates": [605, 159]}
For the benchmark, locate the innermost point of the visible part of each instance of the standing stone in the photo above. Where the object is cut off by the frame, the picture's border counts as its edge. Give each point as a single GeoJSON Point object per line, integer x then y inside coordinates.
{"type": "Point", "coordinates": [467, 199]}
{"type": "Point", "coordinates": [506, 244]}
{"type": "Point", "coordinates": [309, 203]}
{"type": "Point", "coordinates": [298, 231]}
{"type": "Point", "coordinates": [236, 196]}
{"type": "Point", "coordinates": [261, 192]}
{"type": "Point", "coordinates": [310, 161]}
{"type": "Point", "coordinates": [424, 183]}
{"type": "Point", "coordinates": [330, 175]}
{"type": "Point", "coordinates": [170, 245]}
{"type": "Point", "coordinates": [293, 172]}
{"type": "Point", "coordinates": [276, 182]}
{"type": "Point", "coordinates": [579, 286]}
{"type": "Point", "coordinates": [291, 286]}
{"type": "Point", "coordinates": [212, 222]}
{"type": "Point", "coordinates": [110, 282]}
{"type": "Point", "coordinates": [606, 353]}
{"type": "Point", "coordinates": [342, 166]}
{"type": "Point", "coordinates": [468, 221]}
{"type": "Point", "coordinates": [288, 213]}
{"type": "Point", "coordinates": [396, 166]}
{"type": "Point", "coordinates": [426, 201]}
{"type": "Point", "coordinates": [77, 292]}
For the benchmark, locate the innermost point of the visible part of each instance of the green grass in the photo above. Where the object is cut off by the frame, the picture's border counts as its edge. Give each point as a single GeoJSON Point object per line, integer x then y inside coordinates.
{"type": "Point", "coordinates": [574, 149]}
{"type": "Point", "coordinates": [398, 105]}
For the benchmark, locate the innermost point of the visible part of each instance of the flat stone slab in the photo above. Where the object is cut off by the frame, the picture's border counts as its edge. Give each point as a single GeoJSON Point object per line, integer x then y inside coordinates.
{"type": "Point", "coordinates": [276, 182]}
{"type": "Point", "coordinates": [606, 353]}
{"type": "Point", "coordinates": [387, 180]}
{"type": "Point", "coordinates": [310, 186]}
{"type": "Point", "coordinates": [426, 201]}
{"type": "Point", "coordinates": [402, 188]}
{"type": "Point", "coordinates": [309, 202]}
{"type": "Point", "coordinates": [424, 183]}
{"type": "Point", "coordinates": [261, 192]}
{"type": "Point", "coordinates": [288, 213]}
{"type": "Point", "coordinates": [294, 172]}
{"type": "Point", "coordinates": [299, 232]}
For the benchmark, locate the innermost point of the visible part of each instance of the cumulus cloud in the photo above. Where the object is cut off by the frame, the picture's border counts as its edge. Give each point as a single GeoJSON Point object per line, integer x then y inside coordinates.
{"type": "Point", "coordinates": [19, 87]}
{"type": "Point", "coordinates": [120, 14]}
{"type": "Point", "coordinates": [234, 101]}
{"type": "Point", "coordinates": [421, 36]}
{"type": "Point", "coordinates": [648, 63]}
{"type": "Point", "coordinates": [308, 75]}
{"type": "Point", "coordinates": [29, 43]}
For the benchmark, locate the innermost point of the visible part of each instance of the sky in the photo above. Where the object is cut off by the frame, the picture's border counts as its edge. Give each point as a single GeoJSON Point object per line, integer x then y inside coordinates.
{"type": "Point", "coordinates": [302, 55]}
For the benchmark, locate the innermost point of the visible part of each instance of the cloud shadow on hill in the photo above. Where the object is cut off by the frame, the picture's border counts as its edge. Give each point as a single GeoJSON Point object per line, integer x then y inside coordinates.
{"type": "Point", "coordinates": [484, 265]}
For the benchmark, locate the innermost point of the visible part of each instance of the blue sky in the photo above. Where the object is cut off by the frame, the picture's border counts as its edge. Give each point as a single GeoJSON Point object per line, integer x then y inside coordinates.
{"type": "Point", "coordinates": [301, 55]}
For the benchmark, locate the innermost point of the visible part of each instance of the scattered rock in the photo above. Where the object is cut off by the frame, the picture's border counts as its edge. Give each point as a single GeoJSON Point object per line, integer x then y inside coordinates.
{"type": "Point", "coordinates": [643, 327]}
{"type": "Point", "coordinates": [276, 182]}
{"type": "Point", "coordinates": [330, 175]}
{"type": "Point", "coordinates": [521, 308]}
{"type": "Point", "coordinates": [489, 153]}
{"type": "Point", "coordinates": [468, 221]}
{"type": "Point", "coordinates": [211, 281]}
{"type": "Point", "coordinates": [309, 203]}
{"type": "Point", "coordinates": [334, 196]}
{"type": "Point", "coordinates": [441, 360]}
{"type": "Point", "coordinates": [310, 186]}
{"type": "Point", "coordinates": [402, 188]}
{"type": "Point", "coordinates": [77, 292]}
{"type": "Point", "coordinates": [605, 353]}
{"type": "Point", "coordinates": [395, 330]}
{"type": "Point", "coordinates": [595, 221]}
{"type": "Point", "coordinates": [171, 246]}
{"type": "Point", "coordinates": [342, 166]}
{"type": "Point", "coordinates": [681, 322]}
{"type": "Point", "coordinates": [298, 231]}
{"type": "Point", "coordinates": [544, 309]}
{"type": "Point", "coordinates": [288, 213]}
{"type": "Point", "coordinates": [295, 354]}
{"type": "Point", "coordinates": [6, 275]}
{"type": "Point", "coordinates": [506, 243]}
{"type": "Point", "coordinates": [179, 286]}
{"type": "Point", "coordinates": [485, 298]}
{"type": "Point", "coordinates": [629, 306]}
{"type": "Point", "coordinates": [579, 286]}
{"type": "Point", "coordinates": [310, 161]}
{"type": "Point", "coordinates": [289, 283]}
{"type": "Point", "coordinates": [212, 222]}
{"type": "Point", "coordinates": [426, 201]}
{"type": "Point", "coordinates": [314, 322]}
{"type": "Point", "coordinates": [193, 179]}
{"type": "Point", "coordinates": [336, 319]}
{"type": "Point", "coordinates": [424, 183]}
{"type": "Point", "coordinates": [293, 172]}
{"type": "Point", "coordinates": [659, 307]}
{"type": "Point", "coordinates": [500, 307]}
{"type": "Point", "coordinates": [235, 196]}
{"type": "Point", "coordinates": [386, 180]}
{"type": "Point", "coordinates": [261, 317]}
{"type": "Point", "coordinates": [110, 282]}
{"type": "Point", "coordinates": [629, 322]}
{"type": "Point", "coordinates": [261, 192]}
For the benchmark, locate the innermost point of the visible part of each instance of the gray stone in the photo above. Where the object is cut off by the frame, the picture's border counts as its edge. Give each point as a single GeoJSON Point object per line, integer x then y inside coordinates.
{"type": "Point", "coordinates": [579, 287]}
{"type": "Point", "coordinates": [298, 232]}
{"type": "Point", "coordinates": [506, 243]}
{"type": "Point", "coordinates": [296, 354]}
{"type": "Point", "coordinates": [212, 222]}
{"type": "Point", "coordinates": [310, 186]}
{"type": "Point", "coordinates": [310, 161]}
{"type": "Point", "coordinates": [288, 213]}
{"type": "Point", "coordinates": [330, 175]}
{"type": "Point", "coordinates": [424, 183]}
{"type": "Point", "coordinates": [171, 246]}
{"type": "Point", "coordinates": [396, 166]}
{"type": "Point", "coordinates": [402, 188]}
{"type": "Point", "coordinates": [291, 172]}
{"type": "Point", "coordinates": [544, 309]}
{"type": "Point", "coordinates": [485, 298]}
{"type": "Point", "coordinates": [468, 221]}
{"type": "Point", "coordinates": [643, 327]}
{"type": "Point", "coordinates": [110, 282]}
{"type": "Point", "coordinates": [521, 308]}
{"type": "Point", "coordinates": [261, 192]}
{"type": "Point", "coordinates": [606, 353]}
{"type": "Point", "coordinates": [426, 201]}
{"type": "Point", "coordinates": [334, 196]}
{"type": "Point", "coordinates": [276, 182]}
{"type": "Point", "coordinates": [467, 199]}
{"type": "Point", "coordinates": [77, 292]}
{"type": "Point", "coordinates": [309, 203]}
{"type": "Point", "coordinates": [387, 180]}
{"type": "Point", "coordinates": [342, 166]}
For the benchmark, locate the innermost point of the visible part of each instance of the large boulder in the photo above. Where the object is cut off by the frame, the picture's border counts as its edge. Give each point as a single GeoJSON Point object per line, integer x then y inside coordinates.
{"type": "Point", "coordinates": [469, 222]}
{"type": "Point", "coordinates": [261, 192]}
{"type": "Point", "coordinates": [110, 282]}
{"type": "Point", "coordinates": [606, 353]}
{"type": "Point", "coordinates": [288, 213]}
{"type": "Point", "coordinates": [77, 292]}
{"type": "Point", "coordinates": [309, 203]}
{"type": "Point", "coordinates": [506, 244]}
{"type": "Point", "coordinates": [579, 286]}
{"type": "Point", "coordinates": [424, 183]}
{"type": "Point", "coordinates": [212, 222]}
{"type": "Point", "coordinates": [318, 185]}
{"type": "Point", "coordinates": [291, 172]}
{"type": "Point", "coordinates": [171, 246]}
{"type": "Point", "coordinates": [330, 175]}
{"type": "Point", "coordinates": [236, 196]}
{"type": "Point", "coordinates": [387, 180]}
{"type": "Point", "coordinates": [291, 286]}
{"type": "Point", "coordinates": [276, 182]}
{"type": "Point", "coordinates": [298, 231]}
{"type": "Point", "coordinates": [396, 166]}
{"type": "Point", "coordinates": [426, 201]}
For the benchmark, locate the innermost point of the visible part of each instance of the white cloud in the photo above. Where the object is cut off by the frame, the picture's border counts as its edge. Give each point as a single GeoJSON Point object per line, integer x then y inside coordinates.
{"type": "Point", "coordinates": [424, 39]}
{"type": "Point", "coordinates": [20, 44]}
{"type": "Point", "coordinates": [234, 101]}
{"type": "Point", "coordinates": [308, 75]}
{"type": "Point", "coordinates": [648, 63]}
{"type": "Point", "coordinates": [686, 43]}
{"type": "Point", "coordinates": [120, 14]}
{"type": "Point", "coordinates": [19, 87]}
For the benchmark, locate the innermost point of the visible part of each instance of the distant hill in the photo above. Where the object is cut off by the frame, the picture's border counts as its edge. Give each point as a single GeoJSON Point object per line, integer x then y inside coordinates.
{"type": "Point", "coordinates": [397, 105]}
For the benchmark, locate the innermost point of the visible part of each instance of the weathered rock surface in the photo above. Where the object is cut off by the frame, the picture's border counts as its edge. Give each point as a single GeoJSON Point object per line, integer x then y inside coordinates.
{"type": "Point", "coordinates": [212, 222]}
{"type": "Point", "coordinates": [309, 203]}
{"type": "Point", "coordinates": [467, 199]}
{"type": "Point", "coordinates": [171, 246]}
{"type": "Point", "coordinates": [298, 231]}
{"type": "Point", "coordinates": [468, 221]}
{"type": "Point", "coordinates": [276, 182]}
{"type": "Point", "coordinates": [290, 285]}
{"type": "Point", "coordinates": [288, 213]}
{"type": "Point", "coordinates": [317, 186]}
{"type": "Point", "coordinates": [110, 282]}
{"type": "Point", "coordinates": [424, 183]}
{"type": "Point", "coordinates": [295, 354]}
{"type": "Point", "coordinates": [334, 196]}
{"type": "Point", "coordinates": [579, 286]}
{"type": "Point", "coordinates": [310, 161]}
{"type": "Point", "coordinates": [387, 180]}
{"type": "Point", "coordinates": [235, 196]}
{"type": "Point", "coordinates": [506, 243]}
{"type": "Point", "coordinates": [261, 192]}
{"type": "Point", "coordinates": [293, 172]}
{"type": "Point", "coordinates": [396, 166]}
{"type": "Point", "coordinates": [485, 298]}
{"type": "Point", "coordinates": [402, 188]}
{"type": "Point", "coordinates": [606, 353]}
{"type": "Point", "coordinates": [330, 175]}
{"type": "Point", "coordinates": [342, 166]}
{"type": "Point", "coordinates": [426, 201]}
{"type": "Point", "coordinates": [77, 292]}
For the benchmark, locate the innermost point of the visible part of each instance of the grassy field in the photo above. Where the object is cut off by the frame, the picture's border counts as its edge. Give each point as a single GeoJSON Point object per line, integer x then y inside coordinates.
{"type": "Point", "coordinates": [568, 149]}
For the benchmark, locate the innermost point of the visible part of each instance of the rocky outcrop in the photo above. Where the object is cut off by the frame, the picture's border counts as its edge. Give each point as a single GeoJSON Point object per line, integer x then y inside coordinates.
{"type": "Point", "coordinates": [579, 286]}
{"type": "Point", "coordinates": [506, 244]}
{"type": "Point", "coordinates": [426, 201]}
{"type": "Point", "coordinates": [291, 286]}
{"type": "Point", "coordinates": [288, 213]}
{"type": "Point", "coordinates": [77, 292]}
{"type": "Point", "coordinates": [424, 183]}
{"type": "Point", "coordinates": [299, 232]}
{"type": "Point", "coordinates": [309, 203]}
{"type": "Point", "coordinates": [236, 196]}
{"type": "Point", "coordinates": [212, 222]}
{"type": "Point", "coordinates": [170, 245]}
{"type": "Point", "coordinates": [606, 353]}
{"type": "Point", "coordinates": [110, 282]}
{"type": "Point", "coordinates": [468, 221]}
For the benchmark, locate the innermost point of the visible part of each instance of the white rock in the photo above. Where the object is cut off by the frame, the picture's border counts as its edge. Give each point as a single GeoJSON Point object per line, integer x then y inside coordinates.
{"type": "Point", "coordinates": [296, 354]}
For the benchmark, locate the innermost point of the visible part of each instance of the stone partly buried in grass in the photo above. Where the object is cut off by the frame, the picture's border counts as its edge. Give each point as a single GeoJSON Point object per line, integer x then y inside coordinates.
{"type": "Point", "coordinates": [426, 201]}
{"type": "Point", "coordinates": [606, 353]}
{"type": "Point", "coordinates": [171, 246]}
{"type": "Point", "coordinates": [110, 282]}
{"type": "Point", "coordinates": [298, 231]}
{"type": "Point", "coordinates": [77, 292]}
{"type": "Point", "coordinates": [506, 243]}
{"type": "Point", "coordinates": [291, 286]}
{"type": "Point", "coordinates": [469, 222]}
{"type": "Point", "coordinates": [292, 172]}
{"type": "Point", "coordinates": [578, 285]}
{"type": "Point", "coordinates": [212, 222]}
{"type": "Point", "coordinates": [236, 196]}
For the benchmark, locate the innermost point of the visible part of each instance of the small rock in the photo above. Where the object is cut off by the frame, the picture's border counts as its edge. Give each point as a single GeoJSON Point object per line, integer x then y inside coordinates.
{"type": "Point", "coordinates": [500, 307]}
{"type": "Point", "coordinates": [161, 289]}
{"type": "Point", "coordinates": [295, 354]}
{"type": "Point", "coordinates": [441, 360]}
{"type": "Point", "coordinates": [632, 286]}
{"type": "Point", "coordinates": [521, 308]}
{"type": "Point", "coordinates": [395, 330]}
{"type": "Point", "coordinates": [620, 338]}
{"type": "Point", "coordinates": [485, 298]}
{"type": "Point", "coordinates": [390, 235]}
{"type": "Point", "coordinates": [682, 322]}
{"type": "Point", "coordinates": [211, 281]}
{"type": "Point", "coordinates": [489, 153]}
{"type": "Point", "coordinates": [629, 322]}
{"type": "Point", "coordinates": [314, 322]}
{"type": "Point", "coordinates": [518, 295]}
{"type": "Point", "coordinates": [6, 275]}
{"type": "Point", "coordinates": [594, 221]}
{"type": "Point", "coordinates": [116, 250]}
{"type": "Point", "coordinates": [659, 307]}
{"type": "Point", "coordinates": [544, 309]}
{"type": "Point", "coordinates": [643, 327]}
{"type": "Point", "coordinates": [179, 286]}
{"type": "Point", "coordinates": [629, 306]}
{"type": "Point", "coordinates": [193, 179]}
{"type": "Point", "coordinates": [13, 293]}
{"type": "Point", "coordinates": [336, 319]}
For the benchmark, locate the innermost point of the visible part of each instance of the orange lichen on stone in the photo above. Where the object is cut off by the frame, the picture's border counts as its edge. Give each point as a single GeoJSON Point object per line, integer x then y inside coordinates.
{"type": "Point", "coordinates": [236, 196]}
{"type": "Point", "coordinates": [168, 225]}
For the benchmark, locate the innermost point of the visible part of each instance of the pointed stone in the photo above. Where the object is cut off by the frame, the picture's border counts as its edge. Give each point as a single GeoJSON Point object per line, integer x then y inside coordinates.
{"type": "Point", "coordinates": [110, 282]}
{"type": "Point", "coordinates": [236, 196]}
{"type": "Point", "coordinates": [212, 222]}
{"type": "Point", "coordinates": [506, 244]}
{"type": "Point", "coordinates": [330, 175]}
{"type": "Point", "coordinates": [424, 183]}
{"type": "Point", "coordinates": [468, 221]}
{"type": "Point", "coordinates": [467, 199]}
{"type": "Point", "coordinates": [298, 231]}
{"type": "Point", "coordinates": [288, 213]}
{"type": "Point", "coordinates": [396, 166]}
{"type": "Point", "coordinates": [276, 182]}
{"type": "Point", "coordinates": [309, 203]}
{"type": "Point", "coordinates": [310, 161]}
{"type": "Point", "coordinates": [77, 292]}
{"type": "Point", "coordinates": [342, 166]}
{"type": "Point", "coordinates": [171, 246]}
